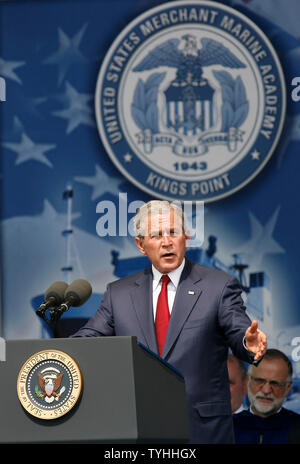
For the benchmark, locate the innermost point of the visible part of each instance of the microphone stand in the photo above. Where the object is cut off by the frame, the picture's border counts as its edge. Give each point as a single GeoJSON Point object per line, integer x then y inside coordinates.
{"type": "Point", "coordinates": [55, 315]}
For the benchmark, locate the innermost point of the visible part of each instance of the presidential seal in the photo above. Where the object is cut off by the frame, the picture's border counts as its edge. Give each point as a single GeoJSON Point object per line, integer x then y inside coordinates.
{"type": "Point", "coordinates": [190, 101]}
{"type": "Point", "coordinates": [49, 384]}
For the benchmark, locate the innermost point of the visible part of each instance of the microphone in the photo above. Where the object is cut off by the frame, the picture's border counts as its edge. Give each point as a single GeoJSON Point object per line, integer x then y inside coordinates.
{"type": "Point", "coordinates": [77, 293]}
{"type": "Point", "coordinates": [54, 296]}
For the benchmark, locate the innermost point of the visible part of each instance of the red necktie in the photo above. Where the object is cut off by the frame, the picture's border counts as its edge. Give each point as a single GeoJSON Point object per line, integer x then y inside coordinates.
{"type": "Point", "coordinates": [162, 316]}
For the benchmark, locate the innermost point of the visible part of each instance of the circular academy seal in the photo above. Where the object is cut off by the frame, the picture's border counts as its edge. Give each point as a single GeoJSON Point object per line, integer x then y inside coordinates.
{"type": "Point", "coordinates": [190, 101]}
{"type": "Point", "coordinates": [49, 384]}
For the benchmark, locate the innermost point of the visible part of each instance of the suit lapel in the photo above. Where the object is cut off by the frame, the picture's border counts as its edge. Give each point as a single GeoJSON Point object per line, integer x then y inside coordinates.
{"type": "Point", "coordinates": [142, 302]}
{"type": "Point", "coordinates": [187, 295]}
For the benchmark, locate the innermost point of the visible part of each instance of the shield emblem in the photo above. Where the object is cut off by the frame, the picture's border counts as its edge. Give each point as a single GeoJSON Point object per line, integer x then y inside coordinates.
{"type": "Point", "coordinates": [49, 389]}
{"type": "Point", "coordinates": [189, 107]}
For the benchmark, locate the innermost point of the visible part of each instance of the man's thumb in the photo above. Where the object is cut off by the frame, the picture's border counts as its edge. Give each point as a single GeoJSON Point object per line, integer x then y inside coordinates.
{"type": "Point", "coordinates": [253, 327]}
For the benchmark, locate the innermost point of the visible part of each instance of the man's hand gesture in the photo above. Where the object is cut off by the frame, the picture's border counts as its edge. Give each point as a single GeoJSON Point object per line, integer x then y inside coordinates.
{"type": "Point", "coordinates": [256, 340]}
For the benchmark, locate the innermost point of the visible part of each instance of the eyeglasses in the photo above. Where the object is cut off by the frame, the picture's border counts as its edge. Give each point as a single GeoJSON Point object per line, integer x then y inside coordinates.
{"type": "Point", "coordinates": [274, 384]}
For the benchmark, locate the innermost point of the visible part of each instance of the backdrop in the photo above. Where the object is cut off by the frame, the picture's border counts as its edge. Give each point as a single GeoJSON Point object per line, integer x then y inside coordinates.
{"type": "Point", "coordinates": [61, 190]}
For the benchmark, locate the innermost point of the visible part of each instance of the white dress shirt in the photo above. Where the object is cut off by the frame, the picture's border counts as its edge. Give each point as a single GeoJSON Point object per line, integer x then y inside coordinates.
{"type": "Point", "coordinates": [172, 286]}
{"type": "Point", "coordinates": [240, 409]}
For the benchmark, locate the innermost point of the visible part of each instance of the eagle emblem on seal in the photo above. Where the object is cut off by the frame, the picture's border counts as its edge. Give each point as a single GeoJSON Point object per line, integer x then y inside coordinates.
{"type": "Point", "coordinates": [189, 60]}
{"type": "Point", "coordinates": [49, 381]}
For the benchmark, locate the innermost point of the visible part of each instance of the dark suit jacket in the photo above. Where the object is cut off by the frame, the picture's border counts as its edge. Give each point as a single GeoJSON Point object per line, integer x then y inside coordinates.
{"type": "Point", "coordinates": [208, 316]}
{"type": "Point", "coordinates": [279, 428]}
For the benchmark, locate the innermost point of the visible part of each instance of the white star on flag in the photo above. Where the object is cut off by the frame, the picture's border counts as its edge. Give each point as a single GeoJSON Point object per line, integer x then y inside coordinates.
{"type": "Point", "coordinates": [51, 215]}
{"type": "Point", "coordinates": [77, 110]}
{"type": "Point", "coordinates": [7, 69]}
{"type": "Point", "coordinates": [100, 182]}
{"type": "Point", "coordinates": [261, 242]}
{"type": "Point", "coordinates": [68, 52]}
{"type": "Point", "coordinates": [28, 150]}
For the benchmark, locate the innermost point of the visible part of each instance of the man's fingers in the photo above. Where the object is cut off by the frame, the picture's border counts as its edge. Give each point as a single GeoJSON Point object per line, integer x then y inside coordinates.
{"type": "Point", "coordinates": [261, 349]}
{"type": "Point", "coordinates": [256, 340]}
{"type": "Point", "coordinates": [253, 327]}
{"type": "Point", "coordinates": [258, 354]}
{"type": "Point", "coordinates": [264, 341]}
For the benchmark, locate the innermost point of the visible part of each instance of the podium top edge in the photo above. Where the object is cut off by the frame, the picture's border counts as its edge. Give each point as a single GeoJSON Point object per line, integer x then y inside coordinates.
{"type": "Point", "coordinates": [161, 360]}
{"type": "Point", "coordinates": [51, 342]}
{"type": "Point", "coordinates": [35, 340]}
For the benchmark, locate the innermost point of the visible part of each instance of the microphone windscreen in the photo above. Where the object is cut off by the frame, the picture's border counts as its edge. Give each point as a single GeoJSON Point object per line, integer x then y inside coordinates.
{"type": "Point", "coordinates": [57, 291]}
{"type": "Point", "coordinates": [79, 290]}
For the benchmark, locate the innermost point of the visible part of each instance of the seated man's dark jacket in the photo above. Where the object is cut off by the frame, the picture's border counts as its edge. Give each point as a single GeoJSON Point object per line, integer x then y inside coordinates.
{"type": "Point", "coordinates": [275, 429]}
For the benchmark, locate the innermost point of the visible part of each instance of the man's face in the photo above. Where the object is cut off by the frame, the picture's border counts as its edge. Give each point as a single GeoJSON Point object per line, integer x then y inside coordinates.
{"type": "Point", "coordinates": [238, 385]}
{"type": "Point", "coordinates": [268, 386]}
{"type": "Point", "coordinates": [165, 243]}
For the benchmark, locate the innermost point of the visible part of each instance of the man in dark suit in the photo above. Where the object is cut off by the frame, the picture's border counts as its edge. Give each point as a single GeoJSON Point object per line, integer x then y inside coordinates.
{"type": "Point", "coordinates": [267, 421]}
{"type": "Point", "coordinates": [204, 315]}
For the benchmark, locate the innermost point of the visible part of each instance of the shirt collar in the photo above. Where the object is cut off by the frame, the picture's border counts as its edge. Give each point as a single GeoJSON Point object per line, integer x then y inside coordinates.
{"type": "Point", "coordinates": [174, 275]}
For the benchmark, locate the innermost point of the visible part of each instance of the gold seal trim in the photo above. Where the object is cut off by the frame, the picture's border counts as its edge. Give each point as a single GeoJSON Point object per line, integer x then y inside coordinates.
{"type": "Point", "coordinates": [49, 384]}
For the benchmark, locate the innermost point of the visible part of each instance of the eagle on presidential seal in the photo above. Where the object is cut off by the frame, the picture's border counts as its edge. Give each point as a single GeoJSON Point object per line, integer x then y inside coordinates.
{"type": "Point", "coordinates": [49, 384]}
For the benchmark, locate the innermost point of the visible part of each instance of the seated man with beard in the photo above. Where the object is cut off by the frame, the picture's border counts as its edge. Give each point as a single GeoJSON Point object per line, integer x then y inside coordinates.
{"type": "Point", "coordinates": [266, 421]}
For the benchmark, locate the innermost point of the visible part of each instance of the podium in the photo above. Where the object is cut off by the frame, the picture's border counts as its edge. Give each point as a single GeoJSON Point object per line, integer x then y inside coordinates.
{"type": "Point", "coordinates": [127, 394]}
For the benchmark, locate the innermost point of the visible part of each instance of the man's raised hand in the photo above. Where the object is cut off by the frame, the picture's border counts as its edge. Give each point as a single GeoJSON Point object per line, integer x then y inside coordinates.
{"type": "Point", "coordinates": [256, 340]}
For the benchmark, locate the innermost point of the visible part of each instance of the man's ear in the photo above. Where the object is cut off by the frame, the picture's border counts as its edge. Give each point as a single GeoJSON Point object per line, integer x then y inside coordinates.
{"type": "Point", "coordinates": [140, 244]}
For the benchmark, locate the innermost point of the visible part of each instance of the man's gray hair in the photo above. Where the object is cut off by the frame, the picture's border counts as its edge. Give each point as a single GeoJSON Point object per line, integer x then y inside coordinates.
{"type": "Point", "coordinates": [156, 207]}
{"type": "Point", "coordinates": [273, 353]}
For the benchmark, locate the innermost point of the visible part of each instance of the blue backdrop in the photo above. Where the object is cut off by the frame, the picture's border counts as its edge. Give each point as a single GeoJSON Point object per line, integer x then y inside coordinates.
{"type": "Point", "coordinates": [50, 56]}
